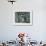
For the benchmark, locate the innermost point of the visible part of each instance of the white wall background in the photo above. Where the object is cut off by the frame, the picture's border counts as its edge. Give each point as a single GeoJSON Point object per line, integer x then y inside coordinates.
{"type": "Point", "coordinates": [8, 31]}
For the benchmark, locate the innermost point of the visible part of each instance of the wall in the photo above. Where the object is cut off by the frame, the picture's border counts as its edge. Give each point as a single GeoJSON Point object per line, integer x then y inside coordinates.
{"type": "Point", "coordinates": [9, 31]}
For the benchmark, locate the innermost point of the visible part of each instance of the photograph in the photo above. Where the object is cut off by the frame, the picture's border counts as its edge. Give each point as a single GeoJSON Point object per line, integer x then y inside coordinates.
{"type": "Point", "coordinates": [23, 18]}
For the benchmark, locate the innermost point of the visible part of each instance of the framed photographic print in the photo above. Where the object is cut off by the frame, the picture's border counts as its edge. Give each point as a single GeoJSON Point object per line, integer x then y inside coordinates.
{"type": "Point", "coordinates": [23, 18]}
